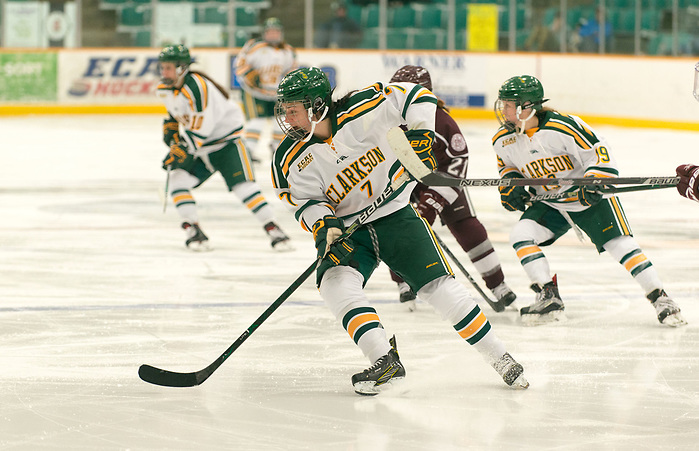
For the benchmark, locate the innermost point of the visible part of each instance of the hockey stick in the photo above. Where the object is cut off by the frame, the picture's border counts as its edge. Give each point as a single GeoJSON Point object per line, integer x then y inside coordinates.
{"type": "Point", "coordinates": [409, 159]}
{"type": "Point", "coordinates": [494, 304]}
{"type": "Point", "coordinates": [167, 188]}
{"type": "Point", "coordinates": [167, 378]}
{"type": "Point", "coordinates": [601, 189]}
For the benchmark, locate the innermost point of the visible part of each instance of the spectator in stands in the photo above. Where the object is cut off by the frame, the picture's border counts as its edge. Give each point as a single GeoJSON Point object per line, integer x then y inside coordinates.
{"type": "Point", "coordinates": [544, 38]}
{"type": "Point", "coordinates": [339, 32]}
{"type": "Point", "coordinates": [590, 33]}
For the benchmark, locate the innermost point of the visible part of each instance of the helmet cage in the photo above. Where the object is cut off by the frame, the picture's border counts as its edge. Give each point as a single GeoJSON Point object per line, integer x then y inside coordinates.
{"type": "Point", "coordinates": [179, 55]}
{"type": "Point", "coordinates": [527, 93]}
{"type": "Point", "coordinates": [309, 87]}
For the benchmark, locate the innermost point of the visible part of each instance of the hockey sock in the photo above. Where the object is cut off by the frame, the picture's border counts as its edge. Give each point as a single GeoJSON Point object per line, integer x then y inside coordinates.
{"type": "Point", "coordinates": [627, 252]}
{"type": "Point", "coordinates": [185, 205]}
{"type": "Point", "coordinates": [473, 238]}
{"type": "Point", "coordinates": [250, 195]}
{"type": "Point", "coordinates": [534, 262]}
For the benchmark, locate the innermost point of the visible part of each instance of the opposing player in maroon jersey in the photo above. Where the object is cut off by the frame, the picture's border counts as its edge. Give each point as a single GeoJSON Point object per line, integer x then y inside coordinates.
{"type": "Point", "coordinates": [451, 204]}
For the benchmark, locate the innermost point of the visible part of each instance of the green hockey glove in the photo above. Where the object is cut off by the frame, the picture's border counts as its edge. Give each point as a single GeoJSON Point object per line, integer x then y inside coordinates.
{"type": "Point", "coordinates": [178, 157]}
{"type": "Point", "coordinates": [333, 249]}
{"type": "Point", "coordinates": [514, 198]}
{"type": "Point", "coordinates": [171, 131]}
{"type": "Point", "coordinates": [589, 196]}
{"type": "Point", "coordinates": [421, 141]}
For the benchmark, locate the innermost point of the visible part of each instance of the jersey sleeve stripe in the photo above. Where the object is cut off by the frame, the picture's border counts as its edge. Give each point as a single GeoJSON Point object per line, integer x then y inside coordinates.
{"type": "Point", "coordinates": [502, 132]}
{"type": "Point", "coordinates": [290, 156]}
{"type": "Point", "coordinates": [568, 130]}
{"type": "Point", "coordinates": [360, 109]}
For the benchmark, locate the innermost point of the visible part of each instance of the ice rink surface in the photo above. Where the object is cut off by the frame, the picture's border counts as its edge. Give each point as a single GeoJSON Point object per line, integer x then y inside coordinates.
{"type": "Point", "coordinates": [95, 281]}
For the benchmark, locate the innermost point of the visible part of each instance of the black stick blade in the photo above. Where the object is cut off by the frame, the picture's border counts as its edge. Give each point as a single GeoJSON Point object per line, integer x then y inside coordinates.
{"type": "Point", "coordinates": [167, 378]}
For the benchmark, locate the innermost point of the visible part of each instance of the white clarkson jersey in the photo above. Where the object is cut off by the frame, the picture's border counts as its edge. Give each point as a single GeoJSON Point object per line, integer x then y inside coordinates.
{"type": "Point", "coordinates": [208, 120]}
{"type": "Point", "coordinates": [344, 175]}
{"type": "Point", "coordinates": [561, 147]}
{"type": "Point", "coordinates": [260, 66]}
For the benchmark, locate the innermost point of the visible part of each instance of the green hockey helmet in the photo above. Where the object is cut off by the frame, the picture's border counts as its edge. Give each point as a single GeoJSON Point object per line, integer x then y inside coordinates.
{"type": "Point", "coordinates": [273, 31]}
{"type": "Point", "coordinates": [308, 86]}
{"type": "Point", "coordinates": [527, 92]}
{"type": "Point", "coordinates": [179, 56]}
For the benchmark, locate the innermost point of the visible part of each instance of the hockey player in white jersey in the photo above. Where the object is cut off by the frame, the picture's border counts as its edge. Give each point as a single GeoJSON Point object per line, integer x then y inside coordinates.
{"type": "Point", "coordinates": [203, 132]}
{"type": "Point", "coordinates": [334, 162]}
{"type": "Point", "coordinates": [259, 67]}
{"type": "Point", "coordinates": [537, 142]}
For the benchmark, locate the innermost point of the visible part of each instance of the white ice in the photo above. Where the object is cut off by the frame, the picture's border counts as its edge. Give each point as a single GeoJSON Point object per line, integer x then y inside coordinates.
{"type": "Point", "coordinates": [95, 281]}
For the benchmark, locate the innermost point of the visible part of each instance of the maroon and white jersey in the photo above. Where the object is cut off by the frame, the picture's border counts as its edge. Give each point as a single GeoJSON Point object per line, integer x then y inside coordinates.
{"type": "Point", "coordinates": [450, 151]}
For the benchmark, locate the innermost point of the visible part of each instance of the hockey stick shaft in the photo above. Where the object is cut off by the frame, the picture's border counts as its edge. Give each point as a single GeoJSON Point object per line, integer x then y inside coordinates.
{"type": "Point", "coordinates": [167, 188]}
{"type": "Point", "coordinates": [167, 378]}
{"type": "Point", "coordinates": [494, 304]}
{"type": "Point", "coordinates": [602, 189]}
{"type": "Point", "coordinates": [409, 159]}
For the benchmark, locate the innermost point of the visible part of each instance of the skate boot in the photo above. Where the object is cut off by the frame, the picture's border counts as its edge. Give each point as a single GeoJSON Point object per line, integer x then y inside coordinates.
{"type": "Point", "coordinates": [196, 240]}
{"type": "Point", "coordinates": [547, 308]}
{"type": "Point", "coordinates": [407, 296]}
{"type": "Point", "coordinates": [511, 372]}
{"type": "Point", "coordinates": [668, 312]}
{"type": "Point", "coordinates": [504, 297]}
{"type": "Point", "coordinates": [278, 239]}
{"type": "Point", "coordinates": [383, 372]}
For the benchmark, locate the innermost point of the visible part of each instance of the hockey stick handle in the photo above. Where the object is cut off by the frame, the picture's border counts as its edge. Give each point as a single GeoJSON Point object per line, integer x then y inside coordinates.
{"type": "Point", "coordinates": [167, 378]}
{"type": "Point", "coordinates": [602, 189]}
{"type": "Point", "coordinates": [409, 159]}
{"type": "Point", "coordinates": [442, 179]}
{"type": "Point", "coordinates": [167, 188]}
{"type": "Point", "coordinates": [495, 306]}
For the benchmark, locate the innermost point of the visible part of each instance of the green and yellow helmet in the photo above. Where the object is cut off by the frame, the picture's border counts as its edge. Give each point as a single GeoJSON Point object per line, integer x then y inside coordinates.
{"type": "Point", "coordinates": [179, 55]}
{"type": "Point", "coordinates": [273, 31]}
{"type": "Point", "coordinates": [525, 90]}
{"type": "Point", "coordinates": [528, 94]}
{"type": "Point", "coordinates": [309, 86]}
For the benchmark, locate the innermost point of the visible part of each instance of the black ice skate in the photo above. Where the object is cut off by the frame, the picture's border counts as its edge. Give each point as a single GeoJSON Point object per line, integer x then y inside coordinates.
{"type": "Point", "coordinates": [383, 372]}
{"type": "Point", "coordinates": [547, 308]}
{"type": "Point", "coordinates": [196, 240]}
{"type": "Point", "coordinates": [504, 297]}
{"type": "Point", "coordinates": [668, 312]}
{"type": "Point", "coordinates": [511, 372]}
{"type": "Point", "coordinates": [278, 239]}
{"type": "Point", "coordinates": [407, 296]}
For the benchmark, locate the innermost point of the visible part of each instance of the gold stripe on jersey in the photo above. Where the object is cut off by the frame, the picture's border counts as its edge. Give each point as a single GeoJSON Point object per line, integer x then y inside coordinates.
{"type": "Point", "coordinates": [291, 155]}
{"type": "Point", "coordinates": [193, 96]}
{"type": "Point", "coordinates": [567, 129]}
{"type": "Point", "coordinates": [502, 132]}
{"type": "Point", "coordinates": [361, 108]}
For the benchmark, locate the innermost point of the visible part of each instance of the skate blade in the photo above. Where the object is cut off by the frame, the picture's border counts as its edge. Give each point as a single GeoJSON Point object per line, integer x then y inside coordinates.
{"type": "Point", "coordinates": [674, 320]}
{"type": "Point", "coordinates": [557, 316]}
{"type": "Point", "coordinates": [411, 305]}
{"type": "Point", "coordinates": [520, 383]}
{"type": "Point", "coordinates": [200, 247]}
{"type": "Point", "coordinates": [369, 388]}
{"type": "Point", "coordinates": [284, 246]}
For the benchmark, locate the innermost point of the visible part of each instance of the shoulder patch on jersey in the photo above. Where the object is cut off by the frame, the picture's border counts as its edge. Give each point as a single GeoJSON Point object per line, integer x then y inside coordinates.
{"type": "Point", "coordinates": [301, 165]}
{"type": "Point", "coordinates": [458, 142]}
